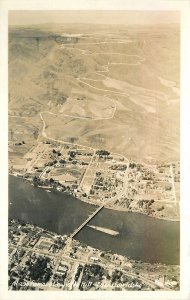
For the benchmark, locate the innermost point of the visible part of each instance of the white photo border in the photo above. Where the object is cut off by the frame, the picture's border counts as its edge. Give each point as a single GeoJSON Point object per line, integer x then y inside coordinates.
{"type": "Point", "coordinates": [179, 5]}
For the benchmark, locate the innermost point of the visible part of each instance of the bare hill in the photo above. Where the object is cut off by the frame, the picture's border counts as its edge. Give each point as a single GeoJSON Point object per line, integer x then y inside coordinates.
{"type": "Point", "coordinates": [116, 88]}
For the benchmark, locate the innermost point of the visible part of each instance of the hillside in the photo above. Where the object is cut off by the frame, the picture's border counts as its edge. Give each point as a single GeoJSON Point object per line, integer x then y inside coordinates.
{"type": "Point", "coordinates": [114, 88]}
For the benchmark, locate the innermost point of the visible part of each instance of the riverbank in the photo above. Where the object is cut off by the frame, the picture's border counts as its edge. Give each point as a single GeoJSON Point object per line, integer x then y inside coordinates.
{"type": "Point", "coordinates": [140, 237]}
{"type": "Point", "coordinates": [31, 241]}
{"type": "Point", "coordinates": [49, 188]}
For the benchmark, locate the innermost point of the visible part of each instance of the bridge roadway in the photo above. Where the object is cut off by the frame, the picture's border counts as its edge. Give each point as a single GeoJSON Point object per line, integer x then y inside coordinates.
{"type": "Point", "coordinates": [87, 221]}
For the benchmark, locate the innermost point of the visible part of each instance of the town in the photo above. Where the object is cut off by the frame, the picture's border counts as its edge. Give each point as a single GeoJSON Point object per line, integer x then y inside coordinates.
{"type": "Point", "coordinates": [42, 260]}
{"type": "Point", "coordinates": [102, 178]}
{"type": "Point", "coordinates": [93, 151]}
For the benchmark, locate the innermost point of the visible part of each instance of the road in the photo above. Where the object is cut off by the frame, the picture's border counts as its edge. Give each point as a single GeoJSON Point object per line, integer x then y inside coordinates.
{"type": "Point", "coordinates": [103, 90]}
{"type": "Point", "coordinates": [111, 54]}
{"type": "Point", "coordinates": [57, 140]}
{"type": "Point", "coordinates": [123, 191]}
{"type": "Point", "coordinates": [44, 171]}
{"type": "Point", "coordinates": [96, 43]}
{"type": "Point", "coordinates": [86, 171]}
{"type": "Point", "coordinates": [31, 163]}
{"type": "Point", "coordinates": [114, 107]}
{"type": "Point", "coordinates": [125, 179]}
{"type": "Point", "coordinates": [62, 257]}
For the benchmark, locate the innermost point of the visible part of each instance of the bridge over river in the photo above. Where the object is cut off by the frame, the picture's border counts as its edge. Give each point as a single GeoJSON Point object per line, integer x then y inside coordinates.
{"type": "Point", "coordinates": [87, 221]}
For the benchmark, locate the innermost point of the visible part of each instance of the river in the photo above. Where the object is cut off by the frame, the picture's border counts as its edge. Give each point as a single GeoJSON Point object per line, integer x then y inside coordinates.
{"type": "Point", "coordinates": [140, 237]}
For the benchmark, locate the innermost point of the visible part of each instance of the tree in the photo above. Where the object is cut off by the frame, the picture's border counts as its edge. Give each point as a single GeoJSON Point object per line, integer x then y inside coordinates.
{"type": "Point", "coordinates": [160, 208]}
{"type": "Point", "coordinates": [62, 161]}
{"type": "Point", "coordinates": [132, 165]}
{"type": "Point", "coordinates": [72, 154]}
{"type": "Point", "coordinates": [36, 181]}
{"type": "Point", "coordinates": [51, 180]}
{"type": "Point", "coordinates": [102, 153]}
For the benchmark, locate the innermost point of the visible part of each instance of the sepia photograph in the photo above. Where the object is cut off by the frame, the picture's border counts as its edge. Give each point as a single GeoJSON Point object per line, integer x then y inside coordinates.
{"type": "Point", "coordinates": [94, 101]}
{"type": "Point", "coordinates": [94, 150]}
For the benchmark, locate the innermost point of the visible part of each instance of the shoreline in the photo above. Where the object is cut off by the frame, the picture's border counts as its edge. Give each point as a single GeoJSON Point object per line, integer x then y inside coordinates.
{"type": "Point", "coordinates": [54, 233]}
{"type": "Point", "coordinates": [49, 189]}
{"type": "Point", "coordinates": [118, 244]}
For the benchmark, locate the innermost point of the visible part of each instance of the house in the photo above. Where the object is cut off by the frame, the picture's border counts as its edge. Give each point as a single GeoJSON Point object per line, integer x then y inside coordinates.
{"type": "Point", "coordinates": [94, 259]}
{"type": "Point", "coordinates": [160, 282]}
{"type": "Point", "coordinates": [62, 269]}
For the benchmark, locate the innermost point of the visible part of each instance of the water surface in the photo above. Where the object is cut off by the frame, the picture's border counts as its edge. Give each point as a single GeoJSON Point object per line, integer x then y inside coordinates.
{"type": "Point", "coordinates": [140, 237]}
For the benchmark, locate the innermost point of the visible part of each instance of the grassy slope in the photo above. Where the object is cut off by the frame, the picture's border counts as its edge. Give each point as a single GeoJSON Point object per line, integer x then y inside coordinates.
{"type": "Point", "coordinates": [43, 80]}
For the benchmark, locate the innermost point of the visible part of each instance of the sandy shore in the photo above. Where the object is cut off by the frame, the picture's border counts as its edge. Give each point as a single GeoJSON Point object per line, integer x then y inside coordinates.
{"type": "Point", "coordinates": [105, 230]}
